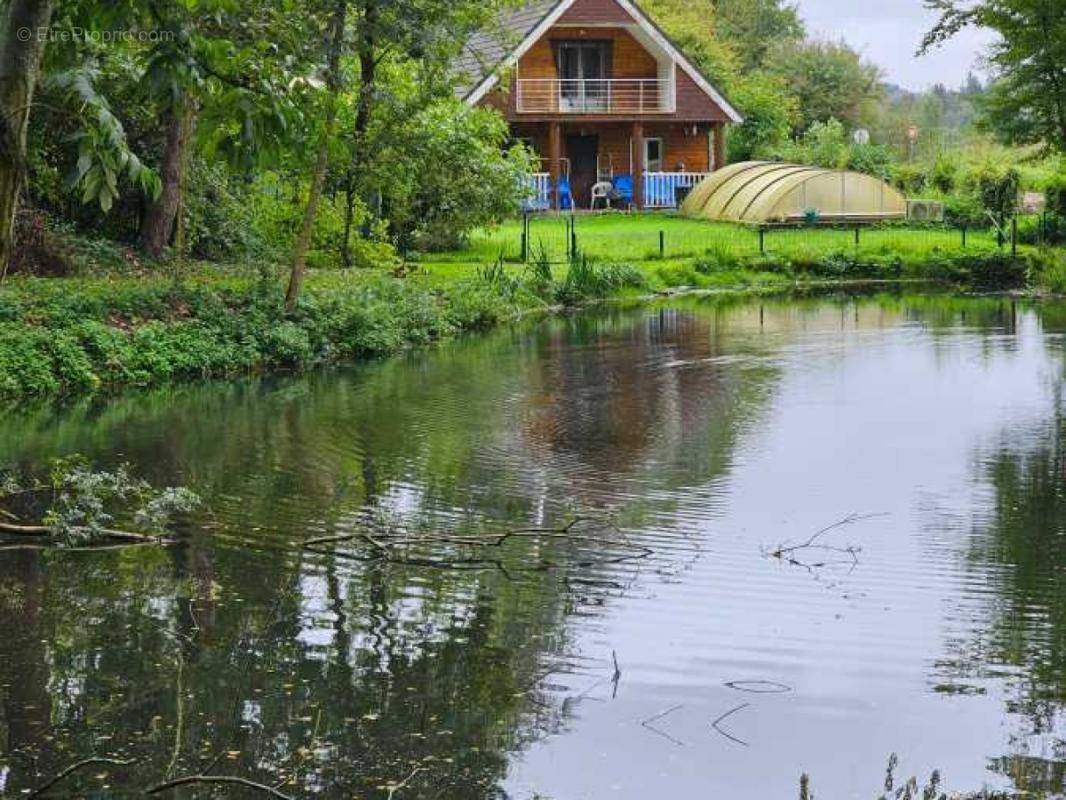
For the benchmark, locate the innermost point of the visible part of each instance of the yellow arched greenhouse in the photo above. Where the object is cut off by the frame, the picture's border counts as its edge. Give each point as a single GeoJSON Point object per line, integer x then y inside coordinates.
{"type": "Point", "coordinates": [767, 191]}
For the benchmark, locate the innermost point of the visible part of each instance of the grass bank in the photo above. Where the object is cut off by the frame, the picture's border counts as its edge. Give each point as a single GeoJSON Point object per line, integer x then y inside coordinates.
{"type": "Point", "coordinates": [63, 336]}
{"type": "Point", "coordinates": [673, 251]}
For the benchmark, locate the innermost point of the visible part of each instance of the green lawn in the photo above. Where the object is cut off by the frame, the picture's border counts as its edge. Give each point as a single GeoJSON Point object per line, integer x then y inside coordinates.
{"type": "Point", "coordinates": [636, 238]}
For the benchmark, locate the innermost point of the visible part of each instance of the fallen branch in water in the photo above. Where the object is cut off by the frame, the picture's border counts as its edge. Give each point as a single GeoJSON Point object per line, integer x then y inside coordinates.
{"type": "Point", "coordinates": [44, 787]}
{"type": "Point", "coordinates": [43, 531]}
{"type": "Point", "coordinates": [229, 779]}
{"type": "Point", "coordinates": [80, 505]}
{"type": "Point", "coordinates": [108, 533]}
{"type": "Point", "coordinates": [390, 546]}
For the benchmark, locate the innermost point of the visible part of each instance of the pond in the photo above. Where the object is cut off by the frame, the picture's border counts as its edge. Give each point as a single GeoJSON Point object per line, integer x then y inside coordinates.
{"type": "Point", "coordinates": [666, 643]}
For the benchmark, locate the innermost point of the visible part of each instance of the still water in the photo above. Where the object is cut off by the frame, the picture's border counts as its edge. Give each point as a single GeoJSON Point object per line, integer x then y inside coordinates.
{"type": "Point", "coordinates": [656, 649]}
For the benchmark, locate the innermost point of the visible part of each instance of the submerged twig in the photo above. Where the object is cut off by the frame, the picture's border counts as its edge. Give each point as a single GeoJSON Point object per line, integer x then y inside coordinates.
{"type": "Point", "coordinates": [230, 779]}
{"type": "Point", "coordinates": [646, 723]}
{"type": "Point", "coordinates": [391, 547]}
{"type": "Point", "coordinates": [74, 768]}
{"type": "Point", "coordinates": [786, 552]}
{"type": "Point", "coordinates": [725, 733]}
{"type": "Point", "coordinates": [394, 788]}
{"type": "Point", "coordinates": [850, 519]}
{"type": "Point", "coordinates": [759, 686]}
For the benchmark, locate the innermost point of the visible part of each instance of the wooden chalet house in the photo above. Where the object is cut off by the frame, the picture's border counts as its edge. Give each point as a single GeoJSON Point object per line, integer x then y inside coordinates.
{"type": "Point", "coordinates": [600, 93]}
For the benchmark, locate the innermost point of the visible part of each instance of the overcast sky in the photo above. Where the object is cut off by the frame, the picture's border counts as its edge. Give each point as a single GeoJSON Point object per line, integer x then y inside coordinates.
{"type": "Point", "coordinates": [888, 33]}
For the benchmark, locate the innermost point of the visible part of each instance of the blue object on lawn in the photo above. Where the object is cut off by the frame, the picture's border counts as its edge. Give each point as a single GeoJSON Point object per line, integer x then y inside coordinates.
{"type": "Point", "coordinates": [566, 200]}
{"type": "Point", "coordinates": [623, 185]}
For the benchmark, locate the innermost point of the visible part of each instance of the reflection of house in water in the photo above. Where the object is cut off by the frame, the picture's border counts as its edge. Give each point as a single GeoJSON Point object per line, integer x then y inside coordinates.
{"type": "Point", "coordinates": [635, 395]}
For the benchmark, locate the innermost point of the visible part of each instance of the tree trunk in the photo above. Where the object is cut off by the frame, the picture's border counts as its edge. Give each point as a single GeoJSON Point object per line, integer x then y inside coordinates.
{"type": "Point", "coordinates": [318, 177]}
{"type": "Point", "coordinates": [21, 48]}
{"type": "Point", "coordinates": [349, 218]}
{"type": "Point", "coordinates": [158, 224]}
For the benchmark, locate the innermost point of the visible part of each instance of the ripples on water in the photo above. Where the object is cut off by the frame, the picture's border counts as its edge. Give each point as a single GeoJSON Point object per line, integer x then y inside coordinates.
{"type": "Point", "coordinates": [708, 432]}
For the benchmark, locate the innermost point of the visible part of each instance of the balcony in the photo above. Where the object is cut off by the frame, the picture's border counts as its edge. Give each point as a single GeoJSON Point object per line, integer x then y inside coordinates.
{"type": "Point", "coordinates": [622, 96]}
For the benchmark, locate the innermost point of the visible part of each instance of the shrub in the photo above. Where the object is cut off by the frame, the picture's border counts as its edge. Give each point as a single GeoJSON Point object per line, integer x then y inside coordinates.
{"type": "Point", "coordinates": [909, 178]}
{"type": "Point", "coordinates": [1055, 192]}
{"type": "Point", "coordinates": [997, 188]}
{"type": "Point", "coordinates": [944, 173]}
{"type": "Point", "coordinates": [586, 280]}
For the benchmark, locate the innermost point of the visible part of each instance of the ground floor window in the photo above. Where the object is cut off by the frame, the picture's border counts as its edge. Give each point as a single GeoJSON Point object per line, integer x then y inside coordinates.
{"type": "Point", "coordinates": [653, 154]}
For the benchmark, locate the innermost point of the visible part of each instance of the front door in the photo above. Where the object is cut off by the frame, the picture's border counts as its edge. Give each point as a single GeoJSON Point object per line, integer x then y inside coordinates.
{"type": "Point", "coordinates": [582, 152]}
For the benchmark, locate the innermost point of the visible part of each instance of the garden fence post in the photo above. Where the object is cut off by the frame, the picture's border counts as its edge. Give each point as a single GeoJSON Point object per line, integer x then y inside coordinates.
{"type": "Point", "coordinates": [1014, 235]}
{"type": "Point", "coordinates": [662, 244]}
{"type": "Point", "coordinates": [857, 229]}
{"type": "Point", "coordinates": [525, 237]}
{"type": "Point", "coordinates": [573, 235]}
{"type": "Point", "coordinates": [762, 240]}
{"type": "Point", "coordinates": [964, 236]}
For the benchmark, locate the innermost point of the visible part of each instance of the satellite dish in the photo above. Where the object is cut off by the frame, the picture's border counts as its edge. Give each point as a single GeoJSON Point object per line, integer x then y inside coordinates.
{"type": "Point", "coordinates": [861, 136]}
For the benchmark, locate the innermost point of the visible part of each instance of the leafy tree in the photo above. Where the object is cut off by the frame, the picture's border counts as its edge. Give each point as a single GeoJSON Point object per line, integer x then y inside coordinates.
{"type": "Point", "coordinates": [769, 111]}
{"type": "Point", "coordinates": [829, 79]}
{"type": "Point", "coordinates": [769, 114]}
{"type": "Point", "coordinates": [1026, 102]}
{"type": "Point", "coordinates": [753, 27]}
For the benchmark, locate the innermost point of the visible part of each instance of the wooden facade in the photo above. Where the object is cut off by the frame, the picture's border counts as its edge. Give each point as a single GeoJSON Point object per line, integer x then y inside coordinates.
{"type": "Point", "coordinates": [597, 90]}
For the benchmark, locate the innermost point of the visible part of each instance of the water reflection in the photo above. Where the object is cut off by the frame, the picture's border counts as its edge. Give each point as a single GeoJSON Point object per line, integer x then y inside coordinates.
{"type": "Point", "coordinates": [702, 429]}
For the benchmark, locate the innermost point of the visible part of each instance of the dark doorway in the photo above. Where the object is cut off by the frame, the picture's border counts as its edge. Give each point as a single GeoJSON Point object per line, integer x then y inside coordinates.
{"type": "Point", "coordinates": [582, 152]}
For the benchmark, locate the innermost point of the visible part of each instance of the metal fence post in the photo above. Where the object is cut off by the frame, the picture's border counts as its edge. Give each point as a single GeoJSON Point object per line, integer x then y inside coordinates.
{"type": "Point", "coordinates": [662, 244]}
{"type": "Point", "coordinates": [573, 235]}
{"type": "Point", "coordinates": [857, 229]}
{"type": "Point", "coordinates": [762, 240]}
{"type": "Point", "coordinates": [964, 236]}
{"type": "Point", "coordinates": [1014, 235]}
{"type": "Point", "coordinates": [525, 237]}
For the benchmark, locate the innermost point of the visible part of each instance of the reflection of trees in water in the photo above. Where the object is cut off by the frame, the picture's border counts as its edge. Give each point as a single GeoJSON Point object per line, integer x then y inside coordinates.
{"type": "Point", "coordinates": [1019, 552]}
{"type": "Point", "coordinates": [338, 674]}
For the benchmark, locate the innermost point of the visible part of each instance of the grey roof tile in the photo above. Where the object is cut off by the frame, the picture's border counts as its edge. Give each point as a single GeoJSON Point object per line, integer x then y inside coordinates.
{"type": "Point", "coordinates": [488, 48]}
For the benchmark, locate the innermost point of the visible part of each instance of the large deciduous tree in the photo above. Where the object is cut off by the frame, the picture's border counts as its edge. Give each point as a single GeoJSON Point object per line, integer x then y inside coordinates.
{"type": "Point", "coordinates": [1026, 102]}
{"type": "Point", "coordinates": [828, 79]}
{"type": "Point", "coordinates": [21, 48]}
{"type": "Point", "coordinates": [753, 27]}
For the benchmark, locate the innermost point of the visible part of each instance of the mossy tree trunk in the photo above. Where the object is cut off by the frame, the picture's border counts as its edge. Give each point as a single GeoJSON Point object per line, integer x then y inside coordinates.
{"type": "Point", "coordinates": [21, 48]}
{"type": "Point", "coordinates": [159, 221]}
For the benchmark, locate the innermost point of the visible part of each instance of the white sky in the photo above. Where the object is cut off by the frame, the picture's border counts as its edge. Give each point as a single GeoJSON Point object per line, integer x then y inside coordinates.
{"type": "Point", "coordinates": [888, 33]}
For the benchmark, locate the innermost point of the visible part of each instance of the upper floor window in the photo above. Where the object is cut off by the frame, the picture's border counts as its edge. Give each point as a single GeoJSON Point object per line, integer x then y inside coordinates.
{"type": "Point", "coordinates": [582, 61]}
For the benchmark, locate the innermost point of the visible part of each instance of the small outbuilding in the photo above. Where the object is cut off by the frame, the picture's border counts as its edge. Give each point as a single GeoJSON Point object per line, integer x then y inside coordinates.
{"type": "Point", "coordinates": [768, 191]}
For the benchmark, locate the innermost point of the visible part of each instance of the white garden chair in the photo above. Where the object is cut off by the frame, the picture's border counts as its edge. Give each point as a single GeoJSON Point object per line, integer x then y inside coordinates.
{"type": "Point", "coordinates": [602, 189]}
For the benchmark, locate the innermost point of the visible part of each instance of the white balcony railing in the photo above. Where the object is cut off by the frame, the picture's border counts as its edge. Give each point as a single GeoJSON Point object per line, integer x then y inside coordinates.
{"type": "Point", "coordinates": [613, 96]}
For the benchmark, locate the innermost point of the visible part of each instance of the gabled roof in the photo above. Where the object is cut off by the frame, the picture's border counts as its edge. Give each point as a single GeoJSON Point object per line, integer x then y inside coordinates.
{"type": "Point", "coordinates": [518, 29]}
